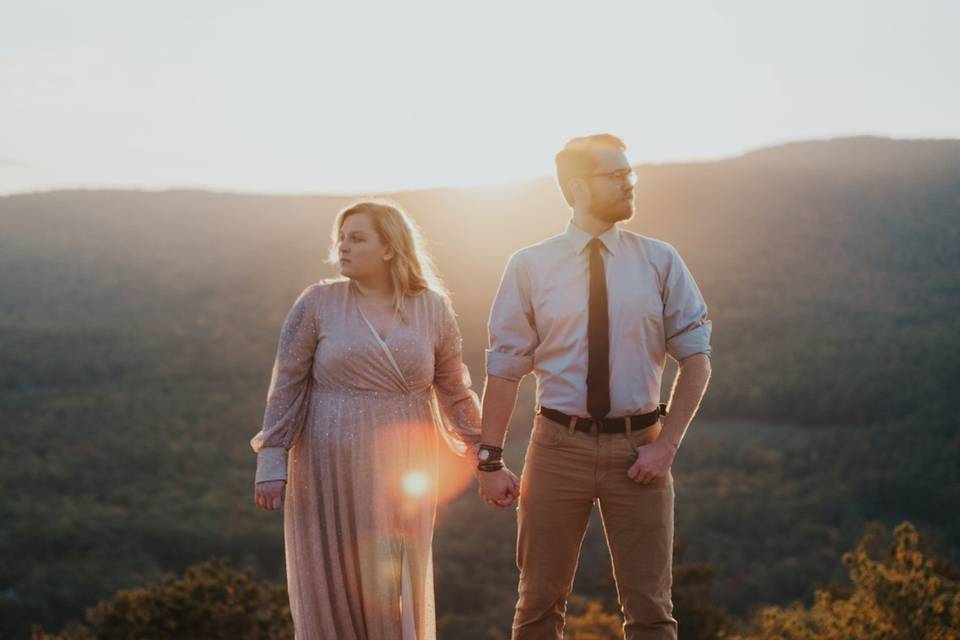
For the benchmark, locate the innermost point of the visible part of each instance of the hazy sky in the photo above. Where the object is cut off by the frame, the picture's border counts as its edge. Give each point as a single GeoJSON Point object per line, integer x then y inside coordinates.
{"type": "Point", "coordinates": [297, 96]}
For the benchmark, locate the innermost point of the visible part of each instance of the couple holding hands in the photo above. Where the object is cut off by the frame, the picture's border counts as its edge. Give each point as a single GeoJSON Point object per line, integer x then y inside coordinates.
{"type": "Point", "coordinates": [368, 372]}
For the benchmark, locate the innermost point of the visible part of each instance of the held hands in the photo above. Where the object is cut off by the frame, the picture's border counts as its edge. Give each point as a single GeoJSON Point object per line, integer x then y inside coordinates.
{"type": "Point", "coordinates": [269, 495]}
{"type": "Point", "coordinates": [498, 488]}
{"type": "Point", "coordinates": [653, 461]}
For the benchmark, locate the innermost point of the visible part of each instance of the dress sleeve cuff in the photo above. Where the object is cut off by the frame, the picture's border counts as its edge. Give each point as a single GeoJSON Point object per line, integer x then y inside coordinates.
{"type": "Point", "coordinates": [271, 464]}
{"type": "Point", "coordinates": [505, 365]}
{"type": "Point", "coordinates": [690, 342]}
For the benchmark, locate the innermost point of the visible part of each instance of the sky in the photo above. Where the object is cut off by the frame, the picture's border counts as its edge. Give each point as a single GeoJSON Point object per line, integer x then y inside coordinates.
{"type": "Point", "coordinates": [373, 97]}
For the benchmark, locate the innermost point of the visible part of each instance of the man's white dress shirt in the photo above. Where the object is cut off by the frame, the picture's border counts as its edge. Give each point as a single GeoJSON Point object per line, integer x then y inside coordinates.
{"type": "Point", "coordinates": [538, 322]}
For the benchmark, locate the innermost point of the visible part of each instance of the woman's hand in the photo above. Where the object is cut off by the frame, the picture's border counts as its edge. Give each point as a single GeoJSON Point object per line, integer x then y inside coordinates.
{"type": "Point", "coordinates": [269, 495]}
{"type": "Point", "coordinates": [498, 488]}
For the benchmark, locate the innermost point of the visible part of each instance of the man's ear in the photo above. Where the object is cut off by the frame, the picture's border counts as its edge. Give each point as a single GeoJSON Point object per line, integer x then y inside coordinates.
{"type": "Point", "coordinates": [579, 189]}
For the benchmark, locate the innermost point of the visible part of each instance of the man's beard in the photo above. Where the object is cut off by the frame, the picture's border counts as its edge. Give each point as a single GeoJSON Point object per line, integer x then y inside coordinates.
{"type": "Point", "coordinates": [616, 211]}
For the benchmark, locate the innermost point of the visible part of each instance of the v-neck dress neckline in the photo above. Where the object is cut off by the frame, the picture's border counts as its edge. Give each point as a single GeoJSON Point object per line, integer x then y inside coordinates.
{"type": "Point", "coordinates": [382, 341]}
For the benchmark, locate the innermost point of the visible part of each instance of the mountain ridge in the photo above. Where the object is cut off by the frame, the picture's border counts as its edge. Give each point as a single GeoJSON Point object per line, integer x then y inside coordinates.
{"type": "Point", "coordinates": [771, 152]}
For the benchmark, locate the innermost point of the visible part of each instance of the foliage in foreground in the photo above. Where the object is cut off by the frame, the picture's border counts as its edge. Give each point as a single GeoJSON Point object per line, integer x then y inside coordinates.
{"type": "Point", "coordinates": [898, 593]}
{"type": "Point", "coordinates": [904, 593]}
{"type": "Point", "coordinates": [212, 600]}
{"type": "Point", "coordinates": [908, 595]}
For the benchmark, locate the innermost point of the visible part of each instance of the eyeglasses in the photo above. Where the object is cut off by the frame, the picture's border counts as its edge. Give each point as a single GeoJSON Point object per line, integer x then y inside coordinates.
{"type": "Point", "coordinates": [620, 175]}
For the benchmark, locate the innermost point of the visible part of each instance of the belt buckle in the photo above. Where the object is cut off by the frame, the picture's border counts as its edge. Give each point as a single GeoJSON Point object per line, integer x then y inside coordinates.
{"type": "Point", "coordinates": [595, 427]}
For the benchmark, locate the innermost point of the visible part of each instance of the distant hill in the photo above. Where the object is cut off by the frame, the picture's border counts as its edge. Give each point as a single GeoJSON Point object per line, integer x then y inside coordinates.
{"type": "Point", "coordinates": [830, 269]}
{"type": "Point", "coordinates": [137, 330]}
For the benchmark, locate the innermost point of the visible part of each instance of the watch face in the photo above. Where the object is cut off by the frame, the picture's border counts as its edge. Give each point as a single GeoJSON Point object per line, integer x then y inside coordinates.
{"type": "Point", "coordinates": [484, 455]}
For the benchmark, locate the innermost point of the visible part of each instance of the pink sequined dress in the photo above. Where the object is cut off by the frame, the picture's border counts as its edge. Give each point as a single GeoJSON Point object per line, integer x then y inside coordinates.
{"type": "Point", "coordinates": [353, 422]}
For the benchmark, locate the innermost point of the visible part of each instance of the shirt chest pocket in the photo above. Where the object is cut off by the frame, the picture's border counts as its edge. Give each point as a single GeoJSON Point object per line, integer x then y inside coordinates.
{"type": "Point", "coordinates": [561, 308]}
{"type": "Point", "coordinates": [638, 311]}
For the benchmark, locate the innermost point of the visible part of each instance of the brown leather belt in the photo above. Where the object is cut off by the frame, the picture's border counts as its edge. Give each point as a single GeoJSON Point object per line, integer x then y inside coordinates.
{"type": "Point", "coordinates": [606, 425]}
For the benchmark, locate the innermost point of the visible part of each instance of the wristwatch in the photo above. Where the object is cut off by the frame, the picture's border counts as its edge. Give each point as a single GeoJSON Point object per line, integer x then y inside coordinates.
{"type": "Point", "coordinates": [489, 453]}
{"type": "Point", "coordinates": [489, 458]}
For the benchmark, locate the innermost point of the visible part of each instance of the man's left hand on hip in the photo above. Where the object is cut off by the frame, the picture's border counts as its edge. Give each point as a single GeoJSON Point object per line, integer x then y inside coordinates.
{"type": "Point", "coordinates": [653, 462]}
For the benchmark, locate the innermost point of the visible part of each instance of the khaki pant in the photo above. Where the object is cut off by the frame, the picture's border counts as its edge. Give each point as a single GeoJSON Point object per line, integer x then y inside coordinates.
{"type": "Point", "coordinates": [564, 473]}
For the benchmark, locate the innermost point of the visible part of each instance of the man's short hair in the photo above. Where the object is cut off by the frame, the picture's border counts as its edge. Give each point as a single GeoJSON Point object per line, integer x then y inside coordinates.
{"type": "Point", "coordinates": [576, 159]}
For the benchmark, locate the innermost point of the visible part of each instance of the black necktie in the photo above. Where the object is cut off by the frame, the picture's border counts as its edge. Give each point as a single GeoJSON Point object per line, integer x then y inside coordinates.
{"type": "Point", "coordinates": [598, 338]}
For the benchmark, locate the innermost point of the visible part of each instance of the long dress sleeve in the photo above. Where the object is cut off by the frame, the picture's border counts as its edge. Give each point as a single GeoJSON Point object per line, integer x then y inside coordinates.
{"type": "Point", "coordinates": [459, 407]}
{"type": "Point", "coordinates": [289, 392]}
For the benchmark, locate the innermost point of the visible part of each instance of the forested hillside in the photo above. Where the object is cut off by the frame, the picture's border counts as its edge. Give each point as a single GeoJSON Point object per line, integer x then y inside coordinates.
{"type": "Point", "coordinates": [137, 331]}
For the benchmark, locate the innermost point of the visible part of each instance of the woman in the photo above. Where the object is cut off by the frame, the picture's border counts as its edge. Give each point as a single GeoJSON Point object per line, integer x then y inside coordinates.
{"type": "Point", "coordinates": [368, 368]}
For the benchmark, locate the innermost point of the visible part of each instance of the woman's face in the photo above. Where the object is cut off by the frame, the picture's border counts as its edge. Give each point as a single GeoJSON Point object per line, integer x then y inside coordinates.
{"type": "Point", "coordinates": [363, 255]}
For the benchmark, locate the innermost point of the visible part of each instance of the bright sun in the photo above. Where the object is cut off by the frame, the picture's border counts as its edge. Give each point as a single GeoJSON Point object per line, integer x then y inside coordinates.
{"type": "Point", "coordinates": [416, 483]}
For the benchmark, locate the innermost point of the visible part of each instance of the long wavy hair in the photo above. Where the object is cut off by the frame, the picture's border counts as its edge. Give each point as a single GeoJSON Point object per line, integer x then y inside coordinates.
{"type": "Point", "coordinates": [411, 268]}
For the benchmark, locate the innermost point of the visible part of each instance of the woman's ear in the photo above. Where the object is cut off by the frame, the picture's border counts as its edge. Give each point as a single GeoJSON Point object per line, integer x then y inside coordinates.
{"type": "Point", "coordinates": [388, 256]}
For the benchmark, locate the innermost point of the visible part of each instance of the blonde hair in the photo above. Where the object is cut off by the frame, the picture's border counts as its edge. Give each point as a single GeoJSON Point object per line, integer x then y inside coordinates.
{"type": "Point", "coordinates": [411, 268]}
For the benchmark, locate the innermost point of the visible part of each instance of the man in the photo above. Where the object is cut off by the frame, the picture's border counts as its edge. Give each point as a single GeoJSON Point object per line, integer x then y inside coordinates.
{"type": "Point", "coordinates": [593, 312]}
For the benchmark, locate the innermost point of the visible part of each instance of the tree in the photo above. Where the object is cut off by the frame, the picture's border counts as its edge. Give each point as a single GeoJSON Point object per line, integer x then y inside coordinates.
{"type": "Point", "coordinates": [905, 596]}
{"type": "Point", "coordinates": [212, 601]}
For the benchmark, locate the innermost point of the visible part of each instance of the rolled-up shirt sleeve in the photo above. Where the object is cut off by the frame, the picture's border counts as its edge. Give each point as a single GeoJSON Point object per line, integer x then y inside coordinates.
{"type": "Point", "coordinates": [513, 336]}
{"type": "Point", "coordinates": [686, 326]}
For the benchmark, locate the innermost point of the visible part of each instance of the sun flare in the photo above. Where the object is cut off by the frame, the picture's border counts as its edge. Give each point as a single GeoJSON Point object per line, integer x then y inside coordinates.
{"type": "Point", "coordinates": [416, 483]}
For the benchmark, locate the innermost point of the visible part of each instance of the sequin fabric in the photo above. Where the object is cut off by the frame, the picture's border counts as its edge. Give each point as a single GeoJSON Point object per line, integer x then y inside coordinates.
{"type": "Point", "coordinates": [353, 422]}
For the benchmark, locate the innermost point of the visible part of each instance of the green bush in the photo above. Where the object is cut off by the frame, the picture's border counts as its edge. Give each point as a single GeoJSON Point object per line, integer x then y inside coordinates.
{"type": "Point", "coordinates": [211, 601]}
{"type": "Point", "coordinates": [908, 595]}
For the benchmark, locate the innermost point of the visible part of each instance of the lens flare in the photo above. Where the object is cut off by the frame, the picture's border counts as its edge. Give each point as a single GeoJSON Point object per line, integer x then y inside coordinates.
{"type": "Point", "coordinates": [417, 465]}
{"type": "Point", "coordinates": [416, 483]}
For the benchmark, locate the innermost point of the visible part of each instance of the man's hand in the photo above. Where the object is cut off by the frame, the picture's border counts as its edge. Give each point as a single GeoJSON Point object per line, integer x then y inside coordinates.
{"type": "Point", "coordinates": [653, 461]}
{"type": "Point", "coordinates": [269, 495]}
{"type": "Point", "coordinates": [498, 488]}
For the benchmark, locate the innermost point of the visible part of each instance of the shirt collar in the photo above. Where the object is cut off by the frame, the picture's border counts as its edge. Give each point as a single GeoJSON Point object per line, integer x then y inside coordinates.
{"type": "Point", "coordinates": [579, 239]}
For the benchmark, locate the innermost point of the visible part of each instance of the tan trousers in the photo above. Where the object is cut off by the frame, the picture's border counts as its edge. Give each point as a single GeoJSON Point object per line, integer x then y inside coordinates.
{"type": "Point", "coordinates": [564, 473]}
